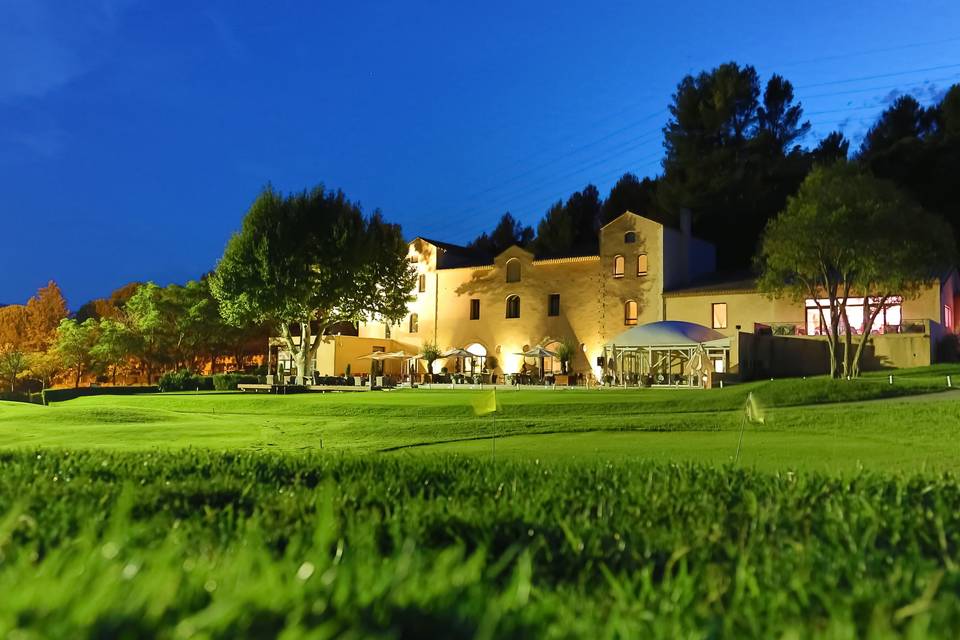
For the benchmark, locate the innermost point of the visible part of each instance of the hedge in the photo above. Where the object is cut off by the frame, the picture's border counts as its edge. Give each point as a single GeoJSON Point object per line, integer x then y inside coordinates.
{"type": "Point", "coordinates": [61, 395]}
{"type": "Point", "coordinates": [229, 381]}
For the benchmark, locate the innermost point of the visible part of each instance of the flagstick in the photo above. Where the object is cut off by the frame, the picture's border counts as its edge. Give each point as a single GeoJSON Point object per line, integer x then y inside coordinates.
{"type": "Point", "coordinates": [494, 414]}
{"type": "Point", "coordinates": [743, 421]}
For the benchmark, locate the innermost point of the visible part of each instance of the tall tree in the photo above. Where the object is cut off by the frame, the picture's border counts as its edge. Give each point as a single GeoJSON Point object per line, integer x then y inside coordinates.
{"type": "Point", "coordinates": [508, 232]}
{"type": "Point", "coordinates": [729, 157]}
{"type": "Point", "coordinates": [13, 364]}
{"type": "Point", "coordinates": [13, 326]}
{"type": "Point", "coordinates": [778, 117]}
{"type": "Point", "coordinates": [834, 146]}
{"type": "Point", "coordinates": [917, 148]}
{"type": "Point", "coordinates": [906, 121]}
{"type": "Point", "coordinates": [847, 234]}
{"type": "Point", "coordinates": [149, 320]}
{"type": "Point", "coordinates": [630, 194]}
{"type": "Point", "coordinates": [44, 313]}
{"type": "Point", "coordinates": [115, 346]}
{"type": "Point", "coordinates": [74, 346]}
{"type": "Point", "coordinates": [554, 232]}
{"type": "Point", "coordinates": [312, 258]}
{"type": "Point", "coordinates": [570, 227]}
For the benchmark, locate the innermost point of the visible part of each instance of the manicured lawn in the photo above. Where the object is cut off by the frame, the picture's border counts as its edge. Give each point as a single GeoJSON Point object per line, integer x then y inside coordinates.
{"type": "Point", "coordinates": [810, 424]}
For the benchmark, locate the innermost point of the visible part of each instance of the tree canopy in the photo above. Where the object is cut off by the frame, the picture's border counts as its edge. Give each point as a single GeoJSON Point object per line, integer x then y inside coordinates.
{"type": "Point", "coordinates": [312, 258]}
{"type": "Point", "coordinates": [847, 233]}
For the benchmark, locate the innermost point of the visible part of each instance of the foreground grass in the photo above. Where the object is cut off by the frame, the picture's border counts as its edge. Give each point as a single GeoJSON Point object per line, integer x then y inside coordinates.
{"type": "Point", "coordinates": [204, 544]}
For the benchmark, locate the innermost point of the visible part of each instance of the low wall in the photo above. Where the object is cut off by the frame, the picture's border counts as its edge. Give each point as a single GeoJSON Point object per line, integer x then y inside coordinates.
{"type": "Point", "coordinates": [765, 356]}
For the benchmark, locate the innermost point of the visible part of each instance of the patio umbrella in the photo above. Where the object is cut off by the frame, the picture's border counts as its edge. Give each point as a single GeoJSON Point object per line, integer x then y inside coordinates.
{"type": "Point", "coordinates": [376, 355]}
{"type": "Point", "coordinates": [458, 353]}
{"type": "Point", "coordinates": [538, 352]}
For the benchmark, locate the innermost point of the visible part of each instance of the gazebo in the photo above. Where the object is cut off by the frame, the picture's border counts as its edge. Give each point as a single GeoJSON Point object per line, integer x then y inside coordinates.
{"type": "Point", "coordinates": [670, 353]}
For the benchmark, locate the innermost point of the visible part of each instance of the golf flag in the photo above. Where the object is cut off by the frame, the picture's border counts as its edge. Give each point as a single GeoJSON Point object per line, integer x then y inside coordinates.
{"type": "Point", "coordinates": [754, 412]}
{"type": "Point", "coordinates": [485, 403]}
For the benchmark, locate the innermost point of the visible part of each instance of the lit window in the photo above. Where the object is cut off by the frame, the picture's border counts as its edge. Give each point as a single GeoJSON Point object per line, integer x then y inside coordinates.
{"type": "Point", "coordinates": [513, 270]}
{"type": "Point", "coordinates": [422, 282]}
{"type": "Point", "coordinates": [630, 313]}
{"type": "Point", "coordinates": [630, 237]}
{"type": "Point", "coordinates": [642, 264]}
{"type": "Point", "coordinates": [719, 315]}
{"type": "Point", "coordinates": [553, 304]}
{"type": "Point", "coordinates": [474, 309]}
{"type": "Point", "coordinates": [888, 319]}
{"type": "Point", "coordinates": [513, 307]}
{"type": "Point", "coordinates": [414, 323]}
{"type": "Point", "coordinates": [618, 264]}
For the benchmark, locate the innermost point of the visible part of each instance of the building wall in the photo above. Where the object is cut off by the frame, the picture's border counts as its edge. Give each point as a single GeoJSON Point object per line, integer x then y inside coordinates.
{"type": "Point", "coordinates": [744, 309]}
{"type": "Point", "coordinates": [592, 302]}
{"type": "Point", "coordinates": [335, 354]}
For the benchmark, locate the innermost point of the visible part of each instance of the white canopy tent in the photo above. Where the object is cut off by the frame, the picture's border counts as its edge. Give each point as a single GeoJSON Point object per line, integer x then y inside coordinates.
{"type": "Point", "coordinates": [670, 353]}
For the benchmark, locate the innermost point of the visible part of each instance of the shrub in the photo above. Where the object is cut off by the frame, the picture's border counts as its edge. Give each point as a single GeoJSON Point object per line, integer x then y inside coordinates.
{"type": "Point", "coordinates": [182, 380]}
{"type": "Point", "coordinates": [230, 381]}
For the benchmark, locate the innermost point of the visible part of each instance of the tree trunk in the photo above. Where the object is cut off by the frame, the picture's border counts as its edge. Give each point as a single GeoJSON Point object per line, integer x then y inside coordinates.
{"type": "Point", "coordinates": [76, 381]}
{"type": "Point", "coordinates": [865, 335]}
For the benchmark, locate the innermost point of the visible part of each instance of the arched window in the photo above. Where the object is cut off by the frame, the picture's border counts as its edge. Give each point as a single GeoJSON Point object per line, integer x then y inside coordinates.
{"type": "Point", "coordinates": [630, 237]}
{"type": "Point", "coordinates": [618, 264]}
{"type": "Point", "coordinates": [630, 313]}
{"type": "Point", "coordinates": [642, 264]}
{"type": "Point", "coordinates": [513, 270]}
{"type": "Point", "coordinates": [414, 323]}
{"type": "Point", "coordinates": [513, 307]}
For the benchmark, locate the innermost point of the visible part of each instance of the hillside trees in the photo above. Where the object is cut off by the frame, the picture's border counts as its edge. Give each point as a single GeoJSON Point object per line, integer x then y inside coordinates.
{"type": "Point", "coordinates": [918, 148]}
{"type": "Point", "coordinates": [311, 258]}
{"type": "Point", "coordinates": [629, 194]}
{"type": "Point", "coordinates": [571, 226]}
{"type": "Point", "coordinates": [847, 234]}
{"type": "Point", "coordinates": [732, 158]}
{"type": "Point", "coordinates": [508, 232]}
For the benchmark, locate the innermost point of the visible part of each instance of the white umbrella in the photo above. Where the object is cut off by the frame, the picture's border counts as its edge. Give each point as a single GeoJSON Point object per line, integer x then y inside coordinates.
{"type": "Point", "coordinates": [537, 352]}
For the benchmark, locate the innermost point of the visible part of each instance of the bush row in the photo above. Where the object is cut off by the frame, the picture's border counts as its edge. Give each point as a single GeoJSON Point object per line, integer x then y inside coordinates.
{"type": "Point", "coordinates": [184, 380]}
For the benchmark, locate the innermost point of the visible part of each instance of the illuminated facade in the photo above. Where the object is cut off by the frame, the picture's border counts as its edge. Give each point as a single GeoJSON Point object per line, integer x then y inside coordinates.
{"type": "Point", "coordinates": [497, 307]}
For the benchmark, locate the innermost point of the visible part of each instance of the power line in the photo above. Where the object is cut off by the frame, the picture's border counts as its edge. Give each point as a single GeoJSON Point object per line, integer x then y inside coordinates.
{"type": "Point", "coordinates": [540, 185]}
{"type": "Point", "coordinates": [879, 75]}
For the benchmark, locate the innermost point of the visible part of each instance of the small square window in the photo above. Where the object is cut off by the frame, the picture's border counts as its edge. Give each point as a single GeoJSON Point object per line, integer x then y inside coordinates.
{"type": "Point", "coordinates": [719, 315]}
{"type": "Point", "coordinates": [553, 304]}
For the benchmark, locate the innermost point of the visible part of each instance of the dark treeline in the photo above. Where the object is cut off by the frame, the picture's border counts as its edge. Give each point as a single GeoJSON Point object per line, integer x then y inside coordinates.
{"type": "Point", "coordinates": [735, 149]}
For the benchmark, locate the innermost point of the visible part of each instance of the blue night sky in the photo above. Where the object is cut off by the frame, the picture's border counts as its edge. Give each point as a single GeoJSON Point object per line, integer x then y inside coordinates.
{"type": "Point", "coordinates": [134, 135]}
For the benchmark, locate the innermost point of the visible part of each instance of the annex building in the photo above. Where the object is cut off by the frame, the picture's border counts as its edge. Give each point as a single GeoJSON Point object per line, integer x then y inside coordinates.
{"type": "Point", "coordinates": [648, 306]}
